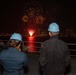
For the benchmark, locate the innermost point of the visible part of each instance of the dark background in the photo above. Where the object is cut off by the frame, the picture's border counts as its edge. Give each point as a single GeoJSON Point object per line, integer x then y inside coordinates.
{"type": "Point", "coordinates": [11, 13]}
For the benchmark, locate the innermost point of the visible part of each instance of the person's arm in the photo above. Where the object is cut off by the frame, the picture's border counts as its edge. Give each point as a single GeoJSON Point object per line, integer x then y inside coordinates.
{"type": "Point", "coordinates": [67, 57]}
{"type": "Point", "coordinates": [42, 57]}
{"type": "Point", "coordinates": [25, 60]}
{"type": "Point", "coordinates": [67, 61]}
{"type": "Point", "coordinates": [26, 64]}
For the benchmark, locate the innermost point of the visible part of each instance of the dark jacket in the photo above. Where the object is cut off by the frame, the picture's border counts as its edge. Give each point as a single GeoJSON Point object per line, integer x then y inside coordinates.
{"type": "Point", "coordinates": [13, 61]}
{"type": "Point", "coordinates": [54, 56]}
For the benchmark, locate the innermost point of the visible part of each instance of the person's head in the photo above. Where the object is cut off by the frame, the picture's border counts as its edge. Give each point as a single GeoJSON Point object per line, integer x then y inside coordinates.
{"type": "Point", "coordinates": [15, 40]}
{"type": "Point", "coordinates": [53, 29]}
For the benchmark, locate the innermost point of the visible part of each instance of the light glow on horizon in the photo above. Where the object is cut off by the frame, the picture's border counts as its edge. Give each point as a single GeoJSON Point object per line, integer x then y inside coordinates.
{"type": "Point", "coordinates": [31, 32]}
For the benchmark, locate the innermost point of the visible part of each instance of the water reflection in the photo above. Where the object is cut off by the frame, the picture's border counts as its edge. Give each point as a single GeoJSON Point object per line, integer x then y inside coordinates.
{"type": "Point", "coordinates": [31, 44]}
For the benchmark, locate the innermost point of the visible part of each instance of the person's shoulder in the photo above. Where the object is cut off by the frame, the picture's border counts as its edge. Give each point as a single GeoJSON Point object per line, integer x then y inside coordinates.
{"type": "Point", "coordinates": [22, 53]}
{"type": "Point", "coordinates": [62, 42]}
{"type": "Point", "coordinates": [4, 51]}
{"type": "Point", "coordinates": [46, 41]}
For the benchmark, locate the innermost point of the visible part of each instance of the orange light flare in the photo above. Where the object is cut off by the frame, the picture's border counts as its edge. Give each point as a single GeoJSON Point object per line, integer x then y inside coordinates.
{"type": "Point", "coordinates": [31, 32]}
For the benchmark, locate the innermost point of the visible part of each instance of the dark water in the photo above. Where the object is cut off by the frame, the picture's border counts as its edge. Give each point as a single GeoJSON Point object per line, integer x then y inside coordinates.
{"type": "Point", "coordinates": [41, 39]}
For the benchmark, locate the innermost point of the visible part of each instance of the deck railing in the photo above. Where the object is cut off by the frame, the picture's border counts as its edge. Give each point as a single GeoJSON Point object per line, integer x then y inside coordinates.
{"type": "Point", "coordinates": [37, 45]}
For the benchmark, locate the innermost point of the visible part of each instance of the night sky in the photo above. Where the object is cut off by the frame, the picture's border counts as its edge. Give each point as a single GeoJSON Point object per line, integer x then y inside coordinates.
{"type": "Point", "coordinates": [11, 12]}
